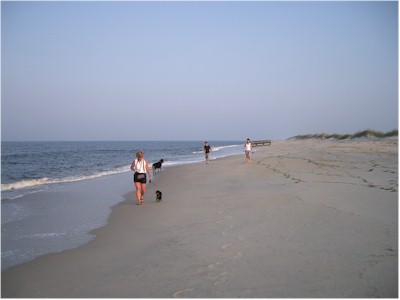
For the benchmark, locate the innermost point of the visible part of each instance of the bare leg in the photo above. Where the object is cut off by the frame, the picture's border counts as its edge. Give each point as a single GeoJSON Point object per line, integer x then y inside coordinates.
{"type": "Point", "coordinates": [143, 186]}
{"type": "Point", "coordinates": [138, 192]}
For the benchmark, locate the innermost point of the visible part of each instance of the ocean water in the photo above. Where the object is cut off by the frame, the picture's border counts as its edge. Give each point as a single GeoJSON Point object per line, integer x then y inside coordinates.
{"type": "Point", "coordinates": [28, 167]}
{"type": "Point", "coordinates": [54, 193]}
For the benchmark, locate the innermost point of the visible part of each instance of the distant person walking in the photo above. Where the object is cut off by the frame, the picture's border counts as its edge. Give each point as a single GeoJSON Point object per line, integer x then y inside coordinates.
{"type": "Point", "coordinates": [206, 151]}
{"type": "Point", "coordinates": [247, 149]}
{"type": "Point", "coordinates": [140, 167]}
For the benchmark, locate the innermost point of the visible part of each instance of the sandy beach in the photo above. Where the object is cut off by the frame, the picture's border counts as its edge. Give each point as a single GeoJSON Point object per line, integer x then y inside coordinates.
{"type": "Point", "coordinates": [304, 219]}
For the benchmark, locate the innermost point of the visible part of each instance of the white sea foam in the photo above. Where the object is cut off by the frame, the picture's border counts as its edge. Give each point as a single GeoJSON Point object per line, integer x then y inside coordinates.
{"type": "Point", "coordinates": [45, 181]}
{"type": "Point", "coordinates": [7, 253]}
{"type": "Point", "coordinates": [177, 163]}
{"type": "Point", "coordinates": [45, 235]}
{"type": "Point", "coordinates": [33, 183]}
{"type": "Point", "coordinates": [24, 184]}
{"type": "Point", "coordinates": [216, 149]}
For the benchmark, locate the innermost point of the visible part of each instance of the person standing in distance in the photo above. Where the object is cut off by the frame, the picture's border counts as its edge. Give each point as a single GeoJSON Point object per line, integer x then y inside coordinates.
{"type": "Point", "coordinates": [140, 167]}
{"type": "Point", "coordinates": [206, 151]}
{"type": "Point", "coordinates": [247, 149]}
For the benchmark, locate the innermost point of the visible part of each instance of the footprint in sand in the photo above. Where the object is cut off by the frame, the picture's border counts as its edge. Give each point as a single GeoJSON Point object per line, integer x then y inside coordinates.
{"type": "Point", "coordinates": [220, 278]}
{"type": "Point", "coordinates": [214, 273]}
{"type": "Point", "coordinates": [241, 238]}
{"type": "Point", "coordinates": [182, 293]}
{"type": "Point", "coordinates": [238, 255]}
{"type": "Point", "coordinates": [226, 246]}
{"type": "Point", "coordinates": [213, 266]}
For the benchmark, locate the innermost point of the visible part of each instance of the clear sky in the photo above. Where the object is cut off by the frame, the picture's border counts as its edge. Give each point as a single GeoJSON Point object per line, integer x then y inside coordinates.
{"type": "Point", "coordinates": [197, 70]}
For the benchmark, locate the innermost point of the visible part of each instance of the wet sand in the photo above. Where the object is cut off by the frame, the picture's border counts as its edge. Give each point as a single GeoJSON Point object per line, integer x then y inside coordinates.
{"type": "Point", "coordinates": [304, 219]}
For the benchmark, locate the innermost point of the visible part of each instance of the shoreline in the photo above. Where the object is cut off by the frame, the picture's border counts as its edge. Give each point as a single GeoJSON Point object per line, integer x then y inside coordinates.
{"type": "Point", "coordinates": [28, 233]}
{"type": "Point", "coordinates": [228, 216]}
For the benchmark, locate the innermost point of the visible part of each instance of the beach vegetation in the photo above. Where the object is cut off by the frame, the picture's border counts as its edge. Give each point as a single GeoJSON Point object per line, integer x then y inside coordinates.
{"type": "Point", "coordinates": [394, 132]}
{"type": "Point", "coordinates": [368, 133]}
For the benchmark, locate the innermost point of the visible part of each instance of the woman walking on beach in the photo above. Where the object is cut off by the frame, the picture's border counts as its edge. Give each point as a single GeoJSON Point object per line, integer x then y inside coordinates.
{"type": "Point", "coordinates": [140, 167]}
{"type": "Point", "coordinates": [247, 149]}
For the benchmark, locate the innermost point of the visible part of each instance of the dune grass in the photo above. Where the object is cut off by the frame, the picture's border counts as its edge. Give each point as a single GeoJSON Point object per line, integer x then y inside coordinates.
{"type": "Point", "coordinates": [368, 133]}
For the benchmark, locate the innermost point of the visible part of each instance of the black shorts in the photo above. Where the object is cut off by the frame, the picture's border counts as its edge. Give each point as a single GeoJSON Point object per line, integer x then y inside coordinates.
{"type": "Point", "coordinates": [142, 177]}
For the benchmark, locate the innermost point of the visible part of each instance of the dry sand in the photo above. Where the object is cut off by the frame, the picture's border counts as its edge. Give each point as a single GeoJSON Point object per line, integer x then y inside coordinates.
{"type": "Point", "coordinates": [304, 219]}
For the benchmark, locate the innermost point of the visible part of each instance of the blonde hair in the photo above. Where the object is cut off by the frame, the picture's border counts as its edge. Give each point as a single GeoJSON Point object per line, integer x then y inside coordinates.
{"type": "Point", "coordinates": [139, 153]}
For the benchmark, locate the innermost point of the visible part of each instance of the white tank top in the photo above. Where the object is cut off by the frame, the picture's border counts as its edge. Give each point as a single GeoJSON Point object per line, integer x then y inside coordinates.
{"type": "Point", "coordinates": [140, 167]}
{"type": "Point", "coordinates": [248, 146]}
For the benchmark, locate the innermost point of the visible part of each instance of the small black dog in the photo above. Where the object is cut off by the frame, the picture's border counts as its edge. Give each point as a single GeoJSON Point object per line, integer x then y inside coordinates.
{"type": "Point", "coordinates": [158, 196]}
{"type": "Point", "coordinates": [157, 165]}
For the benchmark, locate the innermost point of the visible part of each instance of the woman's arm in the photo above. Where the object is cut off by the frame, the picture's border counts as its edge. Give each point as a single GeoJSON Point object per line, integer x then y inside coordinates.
{"type": "Point", "coordinates": [148, 171]}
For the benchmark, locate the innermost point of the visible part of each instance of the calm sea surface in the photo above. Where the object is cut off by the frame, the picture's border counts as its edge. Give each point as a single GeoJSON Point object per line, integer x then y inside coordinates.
{"type": "Point", "coordinates": [54, 193]}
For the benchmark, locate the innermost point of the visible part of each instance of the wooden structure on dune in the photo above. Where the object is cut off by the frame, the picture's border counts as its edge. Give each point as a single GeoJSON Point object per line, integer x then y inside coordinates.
{"type": "Point", "coordinates": [261, 143]}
